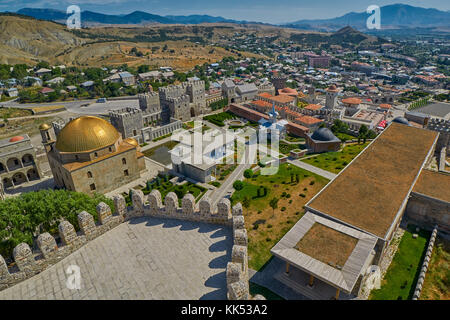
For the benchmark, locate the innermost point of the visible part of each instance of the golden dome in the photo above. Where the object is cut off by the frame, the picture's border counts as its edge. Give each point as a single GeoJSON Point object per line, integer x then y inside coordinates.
{"type": "Point", "coordinates": [86, 133]}
{"type": "Point", "coordinates": [44, 126]}
{"type": "Point", "coordinates": [133, 142]}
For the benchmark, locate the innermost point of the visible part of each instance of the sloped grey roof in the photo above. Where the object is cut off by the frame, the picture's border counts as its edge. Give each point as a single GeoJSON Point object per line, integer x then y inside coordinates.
{"type": "Point", "coordinates": [246, 88]}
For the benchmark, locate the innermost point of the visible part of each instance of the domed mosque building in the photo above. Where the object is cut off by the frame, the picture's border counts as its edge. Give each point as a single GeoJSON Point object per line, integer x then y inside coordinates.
{"type": "Point", "coordinates": [89, 155]}
{"type": "Point", "coordinates": [323, 140]}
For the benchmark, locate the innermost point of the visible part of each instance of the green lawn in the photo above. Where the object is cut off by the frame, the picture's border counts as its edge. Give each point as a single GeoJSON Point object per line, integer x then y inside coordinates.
{"type": "Point", "coordinates": [336, 161]}
{"type": "Point", "coordinates": [266, 226]}
{"type": "Point", "coordinates": [292, 138]}
{"type": "Point", "coordinates": [344, 137]}
{"type": "Point", "coordinates": [266, 293]}
{"type": "Point", "coordinates": [400, 280]}
{"type": "Point", "coordinates": [437, 279]}
{"type": "Point", "coordinates": [219, 118]}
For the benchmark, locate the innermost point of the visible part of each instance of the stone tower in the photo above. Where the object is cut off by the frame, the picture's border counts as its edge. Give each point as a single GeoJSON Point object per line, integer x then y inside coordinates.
{"type": "Point", "coordinates": [279, 82]}
{"type": "Point", "coordinates": [48, 136]}
{"type": "Point", "coordinates": [127, 121]}
{"type": "Point", "coordinates": [332, 94]}
{"type": "Point", "coordinates": [149, 102]}
{"type": "Point", "coordinates": [196, 92]}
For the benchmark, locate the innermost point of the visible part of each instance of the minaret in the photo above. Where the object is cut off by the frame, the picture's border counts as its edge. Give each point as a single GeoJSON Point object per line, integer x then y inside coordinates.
{"type": "Point", "coordinates": [332, 94]}
{"type": "Point", "coordinates": [48, 137]}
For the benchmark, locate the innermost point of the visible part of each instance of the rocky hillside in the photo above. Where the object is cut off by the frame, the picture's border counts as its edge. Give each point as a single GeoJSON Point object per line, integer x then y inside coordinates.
{"type": "Point", "coordinates": [26, 40]}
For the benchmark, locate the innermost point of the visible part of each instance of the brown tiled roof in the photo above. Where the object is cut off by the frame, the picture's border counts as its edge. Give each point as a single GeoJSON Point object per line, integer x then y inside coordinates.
{"type": "Point", "coordinates": [261, 103]}
{"type": "Point", "coordinates": [283, 98]}
{"type": "Point", "coordinates": [434, 184]}
{"type": "Point", "coordinates": [308, 120]}
{"type": "Point", "coordinates": [352, 101]}
{"type": "Point", "coordinates": [369, 193]}
{"type": "Point", "coordinates": [313, 107]}
{"type": "Point", "coordinates": [265, 95]}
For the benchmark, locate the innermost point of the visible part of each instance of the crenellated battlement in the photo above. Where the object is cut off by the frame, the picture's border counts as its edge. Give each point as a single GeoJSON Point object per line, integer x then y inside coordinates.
{"type": "Point", "coordinates": [124, 113]}
{"type": "Point", "coordinates": [29, 263]}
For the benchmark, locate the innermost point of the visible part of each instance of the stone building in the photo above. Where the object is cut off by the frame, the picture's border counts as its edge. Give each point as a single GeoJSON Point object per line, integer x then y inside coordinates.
{"type": "Point", "coordinates": [89, 155]}
{"type": "Point", "coordinates": [361, 209]}
{"type": "Point", "coordinates": [323, 140]}
{"type": "Point", "coordinates": [239, 93]}
{"type": "Point", "coordinates": [18, 161]}
{"type": "Point", "coordinates": [148, 122]}
{"type": "Point", "coordinates": [183, 101]}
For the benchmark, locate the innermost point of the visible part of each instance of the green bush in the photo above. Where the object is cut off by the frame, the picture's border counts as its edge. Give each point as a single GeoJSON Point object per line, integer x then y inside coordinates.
{"type": "Point", "coordinates": [248, 173]}
{"type": "Point", "coordinates": [238, 185]}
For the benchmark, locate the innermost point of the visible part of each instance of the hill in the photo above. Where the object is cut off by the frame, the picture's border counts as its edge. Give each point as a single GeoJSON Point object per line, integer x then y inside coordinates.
{"type": "Point", "coordinates": [27, 40]}
{"type": "Point", "coordinates": [392, 17]}
{"type": "Point", "coordinates": [135, 18]}
{"type": "Point", "coordinates": [345, 37]}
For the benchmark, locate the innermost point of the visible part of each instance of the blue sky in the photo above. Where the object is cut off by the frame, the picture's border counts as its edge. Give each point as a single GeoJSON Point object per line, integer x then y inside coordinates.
{"type": "Point", "coordinates": [271, 11]}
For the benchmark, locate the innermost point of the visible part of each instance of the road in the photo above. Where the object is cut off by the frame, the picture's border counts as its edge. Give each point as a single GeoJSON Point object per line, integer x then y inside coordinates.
{"type": "Point", "coordinates": [77, 107]}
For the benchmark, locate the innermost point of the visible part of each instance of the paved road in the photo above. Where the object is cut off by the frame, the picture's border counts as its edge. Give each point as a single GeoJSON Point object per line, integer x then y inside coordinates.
{"type": "Point", "coordinates": [145, 258]}
{"type": "Point", "coordinates": [227, 187]}
{"type": "Point", "coordinates": [77, 107]}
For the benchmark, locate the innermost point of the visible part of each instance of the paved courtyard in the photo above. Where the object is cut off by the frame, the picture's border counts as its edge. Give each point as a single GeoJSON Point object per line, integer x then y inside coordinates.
{"type": "Point", "coordinates": [146, 258]}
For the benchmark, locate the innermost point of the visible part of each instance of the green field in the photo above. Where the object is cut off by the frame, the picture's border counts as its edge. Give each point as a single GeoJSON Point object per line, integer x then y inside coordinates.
{"type": "Point", "coordinates": [401, 277]}
{"type": "Point", "coordinates": [336, 161]}
{"type": "Point", "coordinates": [266, 226]}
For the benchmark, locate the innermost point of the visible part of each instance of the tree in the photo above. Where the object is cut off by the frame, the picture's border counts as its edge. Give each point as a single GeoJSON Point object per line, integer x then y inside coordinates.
{"type": "Point", "coordinates": [363, 132]}
{"type": "Point", "coordinates": [274, 204]}
{"type": "Point", "coordinates": [246, 202]}
{"type": "Point", "coordinates": [248, 173]}
{"type": "Point", "coordinates": [238, 185]}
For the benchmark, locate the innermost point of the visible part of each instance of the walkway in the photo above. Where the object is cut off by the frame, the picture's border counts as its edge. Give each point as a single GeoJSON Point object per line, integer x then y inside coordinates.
{"type": "Point", "coordinates": [146, 258]}
{"type": "Point", "coordinates": [318, 171]}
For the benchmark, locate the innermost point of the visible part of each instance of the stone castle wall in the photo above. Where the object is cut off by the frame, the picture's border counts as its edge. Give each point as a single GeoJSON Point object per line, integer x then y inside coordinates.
{"type": "Point", "coordinates": [429, 212]}
{"type": "Point", "coordinates": [29, 263]}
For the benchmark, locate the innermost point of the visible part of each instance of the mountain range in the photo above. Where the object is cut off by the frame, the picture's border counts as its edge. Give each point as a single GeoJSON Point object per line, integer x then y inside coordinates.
{"type": "Point", "coordinates": [136, 17]}
{"type": "Point", "coordinates": [392, 17]}
{"type": "Point", "coordinates": [396, 16]}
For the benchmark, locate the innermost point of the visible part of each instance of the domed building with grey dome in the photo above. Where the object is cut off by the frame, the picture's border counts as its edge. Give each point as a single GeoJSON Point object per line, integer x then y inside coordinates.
{"type": "Point", "coordinates": [89, 155]}
{"type": "Point", "coordinates": [323, 140]}
{"type": "Point", "coordinates": [401, 120]}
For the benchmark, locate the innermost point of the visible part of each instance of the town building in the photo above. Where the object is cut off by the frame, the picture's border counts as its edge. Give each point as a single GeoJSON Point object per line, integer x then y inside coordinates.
{"type": "Point", "coordinates": [18, 162]}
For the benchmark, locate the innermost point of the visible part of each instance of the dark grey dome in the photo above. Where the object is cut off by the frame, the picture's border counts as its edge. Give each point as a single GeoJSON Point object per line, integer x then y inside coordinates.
{"type": "Point", "coordinates": [401, 120]}
{"type": "Point", "coordinates": [323, 134]}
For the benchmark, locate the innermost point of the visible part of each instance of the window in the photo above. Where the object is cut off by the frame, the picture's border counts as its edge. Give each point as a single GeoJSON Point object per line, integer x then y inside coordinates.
{"type": "Point", "coordinates": [76, 157]}
{"type": "Point", "coordinates": [125, 173]}
{"type": "Point", "coordinates": [96, 154]}
{"type": "Point", "coordinates": [134, 132]}
{"type": "Point", "coordinates": [92, 187]}
{"type": "Point", "coordinates": [110, 149]}
{"type": "Point", "coordinates": [89, 174]}
{"type": "Point", "coordinates": [124, 161]}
